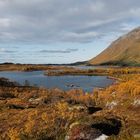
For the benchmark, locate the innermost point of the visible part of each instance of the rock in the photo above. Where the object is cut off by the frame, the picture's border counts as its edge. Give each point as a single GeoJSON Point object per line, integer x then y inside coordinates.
{"type": "Point", "coordinates": [82, 132]}
{"type": "Point", "coordinates": [36, 101]}
{"type": "Point", "coordinates": [136, 102]}
{"type": "Point", "coordinates": [111, 105]}
{"type": "Point", "coordinates": [102, 137]}
{"type": "Point", "coordinates": [78, 108]}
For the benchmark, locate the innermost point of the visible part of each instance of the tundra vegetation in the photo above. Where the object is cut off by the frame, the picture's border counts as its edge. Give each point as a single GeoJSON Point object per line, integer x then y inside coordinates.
{"type": "Point", "coordinates": [31, 67]}
{"type": "Point", "coordinates": [32, 113]}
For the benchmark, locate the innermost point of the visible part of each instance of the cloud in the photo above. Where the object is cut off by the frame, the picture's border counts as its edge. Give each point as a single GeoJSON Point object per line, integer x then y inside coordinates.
{"type": "Point", "coordinates": [3, 50]}
{"type": "Point", "coordinates": [45, 21]}
{"type": "Point", "coordinates": [4, 22]}
{"type": "Point", "coordinates": [59, 51]}
{"type": "Point", "coordinates": [127, 27]}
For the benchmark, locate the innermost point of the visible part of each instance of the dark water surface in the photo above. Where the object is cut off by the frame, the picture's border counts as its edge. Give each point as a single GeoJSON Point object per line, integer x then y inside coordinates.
{"type": "Point", "coordinates": [87, 83]}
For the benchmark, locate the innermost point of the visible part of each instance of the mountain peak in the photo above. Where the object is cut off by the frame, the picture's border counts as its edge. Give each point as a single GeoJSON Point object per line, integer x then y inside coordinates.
{"type": "Point", "coordinates": [124, 51]}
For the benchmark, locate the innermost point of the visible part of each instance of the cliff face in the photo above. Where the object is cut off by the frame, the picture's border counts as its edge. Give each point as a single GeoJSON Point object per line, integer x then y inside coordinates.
{"type": "Point", "coordinates": [123, 51]}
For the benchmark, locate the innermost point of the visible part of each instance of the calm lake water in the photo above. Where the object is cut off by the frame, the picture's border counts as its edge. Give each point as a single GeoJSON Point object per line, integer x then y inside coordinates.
{"type": "Point", "coordinates": [87, 83]}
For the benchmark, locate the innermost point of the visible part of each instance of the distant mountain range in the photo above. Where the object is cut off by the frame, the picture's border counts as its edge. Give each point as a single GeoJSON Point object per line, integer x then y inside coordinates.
{"type": "Point", "coordinates": [123, 51]}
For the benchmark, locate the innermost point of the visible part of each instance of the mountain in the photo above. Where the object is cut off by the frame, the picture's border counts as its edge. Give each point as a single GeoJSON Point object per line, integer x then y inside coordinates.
{"type": "Point", "coordinates": [123, 51]}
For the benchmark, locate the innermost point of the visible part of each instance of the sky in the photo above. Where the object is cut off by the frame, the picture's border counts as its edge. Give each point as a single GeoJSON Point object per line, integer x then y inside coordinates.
{"type": "Point", "coordinates": [62, 31]}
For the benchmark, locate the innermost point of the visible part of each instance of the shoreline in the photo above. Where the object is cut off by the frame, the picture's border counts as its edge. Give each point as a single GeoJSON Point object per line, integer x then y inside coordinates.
{"type": "Point", "coordinates": [53, 109]}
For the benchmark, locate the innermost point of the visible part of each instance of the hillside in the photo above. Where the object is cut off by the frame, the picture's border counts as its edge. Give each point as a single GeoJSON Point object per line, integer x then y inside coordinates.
{"type": "Point", "coordinates": [123, 51]}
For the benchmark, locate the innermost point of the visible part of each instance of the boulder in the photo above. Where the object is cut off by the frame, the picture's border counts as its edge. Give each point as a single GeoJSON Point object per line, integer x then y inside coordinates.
{"type": "Point", "coordinates": [82, 132]}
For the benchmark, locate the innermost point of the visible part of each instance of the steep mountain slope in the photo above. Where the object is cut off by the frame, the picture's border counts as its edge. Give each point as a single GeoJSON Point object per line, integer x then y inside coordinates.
{"type": "Point", "coordinates": [123, 51]}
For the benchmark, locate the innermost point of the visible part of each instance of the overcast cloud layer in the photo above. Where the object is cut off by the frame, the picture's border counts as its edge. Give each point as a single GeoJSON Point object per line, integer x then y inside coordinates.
{"type": "Point", "coordinates": [71, 21]}
{"type": "Point", "coordinates": [64, 20]}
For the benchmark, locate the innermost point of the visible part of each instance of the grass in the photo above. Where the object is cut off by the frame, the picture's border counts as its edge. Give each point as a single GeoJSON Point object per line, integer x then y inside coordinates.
{"type": "Point", "coordinates": [31, 113]}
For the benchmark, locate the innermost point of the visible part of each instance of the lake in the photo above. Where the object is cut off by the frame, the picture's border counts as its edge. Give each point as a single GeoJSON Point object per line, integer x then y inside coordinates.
{"type": "Point", "coordinates": [87, 83]}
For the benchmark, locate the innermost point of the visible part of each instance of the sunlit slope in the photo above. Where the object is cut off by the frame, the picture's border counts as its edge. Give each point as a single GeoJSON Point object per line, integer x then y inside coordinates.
{"type": "Point", "coordinates": [123, 51]}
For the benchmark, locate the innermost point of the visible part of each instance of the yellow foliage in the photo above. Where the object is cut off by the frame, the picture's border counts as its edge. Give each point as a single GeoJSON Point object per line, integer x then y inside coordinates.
{"type": "Point", "coordinates": [13, 134]}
